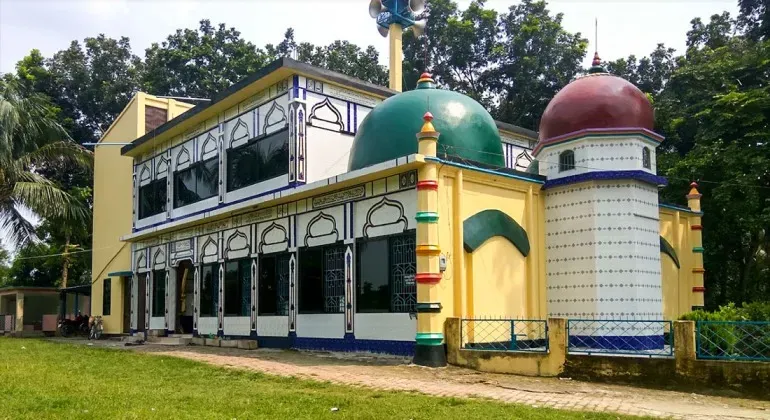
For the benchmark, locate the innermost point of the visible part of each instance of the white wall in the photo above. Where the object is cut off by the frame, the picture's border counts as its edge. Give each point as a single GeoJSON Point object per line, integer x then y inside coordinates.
{"type": "Point", "coordinates": [397, 327]}
{"type": "Point", "coordinates": [321, 325]}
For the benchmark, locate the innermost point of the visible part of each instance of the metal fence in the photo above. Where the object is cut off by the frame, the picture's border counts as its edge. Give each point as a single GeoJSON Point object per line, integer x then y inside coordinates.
{"type": "Point", "coordinates": [529, 335]}
{"type": "Point", "coordinates": [733, 340]}
{"type": "Point", "coordinates": [620, 337]}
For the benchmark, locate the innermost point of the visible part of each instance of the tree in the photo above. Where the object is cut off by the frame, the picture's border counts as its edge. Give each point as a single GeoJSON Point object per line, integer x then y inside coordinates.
{"type": "Point", "coordinates": [713, 112]}
{"type": "Point", "coordinates": [31, 139]}
{"type": "Point", "coordinates": [754, 19]}
{"type": "Point", "coordinates": [649, 74]}
{"type": "Point", "coordinates": [200, 63]}
{"type": "Point", "coordinates": [715, 34]}
{"type": "Point", "coordinates": [91, 84]}
{"type": "Point", "coordinates": [458, 47]}
{"type": "Point", "coordinates": [535, 59]}
{"type": "Point", "coordinates": [340, 56]}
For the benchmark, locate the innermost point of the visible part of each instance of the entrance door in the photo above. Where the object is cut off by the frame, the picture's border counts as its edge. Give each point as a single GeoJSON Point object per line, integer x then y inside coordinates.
{"type": "Point", "coordinates": [126, 304]}
{"type": "Point", "coordinates": [185, 297]}
{"type": "Point", "coordinates": [142, 302]}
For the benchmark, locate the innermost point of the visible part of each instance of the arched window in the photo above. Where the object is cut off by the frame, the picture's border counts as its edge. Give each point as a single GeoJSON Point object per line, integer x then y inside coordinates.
{"type": "Point", "coordinates": [566, 160]}
{"type": "Point", "coordinates": [646, 158]}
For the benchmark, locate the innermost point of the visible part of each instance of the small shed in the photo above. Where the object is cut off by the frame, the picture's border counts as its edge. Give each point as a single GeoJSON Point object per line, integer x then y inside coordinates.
{"type": "Point", "coordinates": [28, 309]}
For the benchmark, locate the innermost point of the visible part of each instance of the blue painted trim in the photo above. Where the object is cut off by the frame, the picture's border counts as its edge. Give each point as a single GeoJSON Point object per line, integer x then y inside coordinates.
{"type": "Point", "coordinates": [486, 171]}
{"type": "Point", "coordinates": [608, 343]}
{"type": "Point", "coordinates": [295, 81]}
{"type": "Point", "coordinates": [679, 208]}
{"type": "Point", "coordinates": [217, 207]}
{"type": "Point", "coordinates": [274, 342]}
{"type": "Point", "coordinates": [641, 176]}
{"type": "Point", "coordinates": [351, 344]}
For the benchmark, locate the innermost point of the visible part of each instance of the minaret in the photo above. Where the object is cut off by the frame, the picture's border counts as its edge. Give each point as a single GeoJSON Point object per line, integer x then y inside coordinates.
{"type": "Point", "coordinates": [429, 349]}
{"type": "Point", "coordinates": [698, 289]}
{"type": "Point", "coordinates": [597, 149]}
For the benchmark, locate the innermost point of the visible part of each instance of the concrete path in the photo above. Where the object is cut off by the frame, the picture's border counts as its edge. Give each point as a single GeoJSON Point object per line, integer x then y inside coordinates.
{"type": "Point", "coordinates": [390, 373]}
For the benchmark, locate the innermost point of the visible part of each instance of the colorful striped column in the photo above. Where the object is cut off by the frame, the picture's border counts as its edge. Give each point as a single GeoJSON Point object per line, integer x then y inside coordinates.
{"type": "Point", "coordinates": [429, 349]}
{"type": "Point", "coordinates": [698, 290]}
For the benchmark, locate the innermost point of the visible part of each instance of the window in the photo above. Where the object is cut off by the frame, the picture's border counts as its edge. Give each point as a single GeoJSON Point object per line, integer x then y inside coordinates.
{"type": "Point", "coordinates": [274, 284]}
{"type": "Point", "coordinates": [159, 293]}
{"type": "Point", "coordinates": [258, 160]}
{"type": "Point", "coordinates": [152, 198]}
{"type": "Point", "coordinates": [566, 160]}
{"type": "Point", "coordinates": [209, 291]}
{"type": "Point", "coordinates": [322, 280]}
{"type": "Point", "coordinates": [198, 182]}
{"type": "Point", "coordinates": [385, 274]}
{"type": "Point", "coordinates": [237, 285]}
{"type": "Point", "coordinates": [106, 297]}
{"type": "Point", "coordinates": [646, 163]}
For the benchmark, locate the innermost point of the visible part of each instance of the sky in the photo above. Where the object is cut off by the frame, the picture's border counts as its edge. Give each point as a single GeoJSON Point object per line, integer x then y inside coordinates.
{"type": "Point", "coordinates": [625, 27]}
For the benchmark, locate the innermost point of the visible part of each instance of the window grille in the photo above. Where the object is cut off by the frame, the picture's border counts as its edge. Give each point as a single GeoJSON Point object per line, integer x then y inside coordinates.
{"type": "Point", "coordinates": [334, 280]}
{"type": "Point", "coordinates": [403, 266]}
{"type": "Point", "coordinates": [566, 160]}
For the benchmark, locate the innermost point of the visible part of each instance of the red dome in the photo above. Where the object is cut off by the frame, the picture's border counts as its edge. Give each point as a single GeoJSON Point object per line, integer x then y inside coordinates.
{"type": "Point", "coordinates": [596, 101]}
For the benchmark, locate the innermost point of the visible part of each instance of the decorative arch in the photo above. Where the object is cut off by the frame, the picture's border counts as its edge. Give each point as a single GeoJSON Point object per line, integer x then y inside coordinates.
{"type": "Point", "coordinates": [386, 214]}
{"type": "Point", "coordinates": [327, 115]}
{"type": "Point", "coordinates": [486, 224]}
{"type": "Point", "coordinates": [239, 132]}
{"type": "Point", "coordinates": [209, 248]}
{"type": "Point", "coordinates": [666, 248]}
{"type": "Point", "coordinates": [162, 167]}
{"type": "Point", "coordinates": [144, 174]}
{"type": "Point", "coordinates": [275, 115]}
{"type": "Point", "coordinates": [274, 236]}
{"type": "Point", "coordinates": [209, 147]}
{"type": "Point", "coordinates": [237, 242]}
{"type": "Point", "coordinates": [321, 227]}
{"type": "Point", "coordinates": [183, 156]}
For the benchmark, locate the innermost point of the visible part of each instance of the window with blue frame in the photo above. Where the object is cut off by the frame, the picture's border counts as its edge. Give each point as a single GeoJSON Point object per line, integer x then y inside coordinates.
{"type": "Point", "coordinates": [209, 292]}
{"type": "Point", "coordinates": [107, 297]}
{"type": "Point", "coordinates": [196, 183]}
{"type": "Point", "coordinates": [259, 160]}
{"type": "Point", "coordinates": [152, 198]}
{"type": "Point", "coordinates": [237, 284]}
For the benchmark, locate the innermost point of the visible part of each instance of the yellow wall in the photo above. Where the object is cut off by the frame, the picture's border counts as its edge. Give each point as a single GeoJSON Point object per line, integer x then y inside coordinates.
{"type": "Point", "coordinates": [678, 297]}
{"type": "Point", "coordinates": [496, 280]}
{"type": "Point", "coordinates": [113, 204]}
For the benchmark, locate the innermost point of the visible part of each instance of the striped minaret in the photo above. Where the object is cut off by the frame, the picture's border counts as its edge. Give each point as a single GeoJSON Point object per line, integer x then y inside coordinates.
{"type": "Point", "coordinates": [698, 290]}
{"type": "Point", "coordinates": [429, 349]}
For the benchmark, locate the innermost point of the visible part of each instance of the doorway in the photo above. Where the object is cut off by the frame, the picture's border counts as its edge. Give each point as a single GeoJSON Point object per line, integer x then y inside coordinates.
{"type": "Point", "coordinates": [141, 307]}
{"type": "Point", "coordinates": [185, 297]}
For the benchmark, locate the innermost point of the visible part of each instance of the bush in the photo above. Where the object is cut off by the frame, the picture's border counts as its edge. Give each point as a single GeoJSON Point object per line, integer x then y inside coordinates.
{"type": "Point", "coordinates": [734, 340]}
{"type": "Point", "coordinates": [755, 311]}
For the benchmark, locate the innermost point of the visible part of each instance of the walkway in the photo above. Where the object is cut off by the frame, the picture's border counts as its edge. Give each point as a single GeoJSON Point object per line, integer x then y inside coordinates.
{"type": "Point", "coordinates": [388, 373]}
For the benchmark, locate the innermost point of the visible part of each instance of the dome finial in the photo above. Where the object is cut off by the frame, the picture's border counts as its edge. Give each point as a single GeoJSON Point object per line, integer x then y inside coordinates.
{"type": "Point", "coordinates": [596, 64]}
{"type": "Point", "coordinates": [426, 81]}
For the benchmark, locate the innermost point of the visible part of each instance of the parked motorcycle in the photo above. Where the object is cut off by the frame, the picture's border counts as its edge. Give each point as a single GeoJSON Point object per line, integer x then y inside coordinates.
{"type": "Point", "coordinates": [67, 327]}
{"type": "Point", "coordinates": [96, 328]}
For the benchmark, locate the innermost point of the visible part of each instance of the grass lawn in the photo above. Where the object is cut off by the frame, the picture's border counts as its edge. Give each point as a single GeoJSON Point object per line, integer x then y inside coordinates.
{"type": "Point", "coordinates": [41, 380]}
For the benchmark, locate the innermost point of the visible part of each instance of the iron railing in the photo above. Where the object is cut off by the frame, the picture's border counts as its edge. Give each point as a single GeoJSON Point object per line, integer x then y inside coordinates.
{"type": "Point", "coordinates": [733, 340]}
{"type": "Point", "coordinates": [529, 335]}
{"type": "Point", "coordinates": [620, 337]}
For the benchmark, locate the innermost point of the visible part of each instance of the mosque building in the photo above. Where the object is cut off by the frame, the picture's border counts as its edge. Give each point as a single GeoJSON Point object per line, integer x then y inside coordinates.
{"type": "Point", "coordinates": [305, 209]}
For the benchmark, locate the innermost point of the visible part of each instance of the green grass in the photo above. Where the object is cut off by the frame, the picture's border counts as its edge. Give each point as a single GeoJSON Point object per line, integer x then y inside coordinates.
{"type": "Point", "coordinates": [40, 380]}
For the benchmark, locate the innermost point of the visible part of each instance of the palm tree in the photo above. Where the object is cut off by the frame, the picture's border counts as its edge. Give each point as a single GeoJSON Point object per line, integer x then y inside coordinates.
{"type": "Point", "coordinates": [31, 140]}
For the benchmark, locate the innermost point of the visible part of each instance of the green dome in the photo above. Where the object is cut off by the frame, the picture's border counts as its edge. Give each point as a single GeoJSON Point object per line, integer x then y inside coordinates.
{"type": "Point", "coordinates": [390, 130]}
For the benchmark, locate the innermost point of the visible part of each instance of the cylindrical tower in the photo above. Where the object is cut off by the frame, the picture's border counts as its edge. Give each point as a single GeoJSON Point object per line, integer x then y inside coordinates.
{"type": "Point", "coordinates": [698, 289]}
{"type": "Point", "coordinates": [429, 350]}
